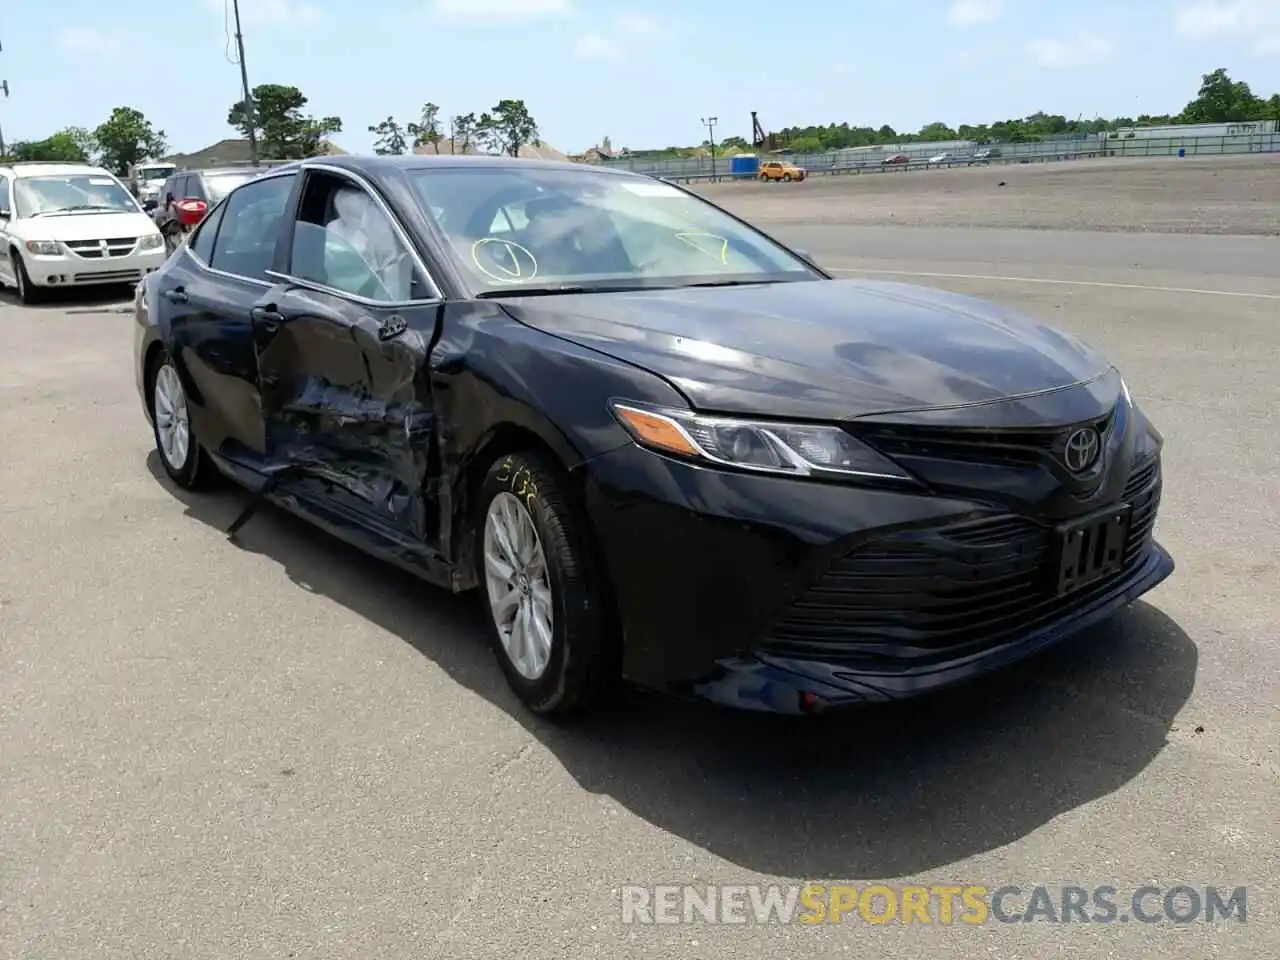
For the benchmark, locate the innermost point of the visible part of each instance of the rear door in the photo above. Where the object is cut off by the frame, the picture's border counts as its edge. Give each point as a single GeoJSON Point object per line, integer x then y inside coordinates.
{"type": "Point", "coordinates": [208, 292]}
{"type": "Point", "coordinates": [342, 342]}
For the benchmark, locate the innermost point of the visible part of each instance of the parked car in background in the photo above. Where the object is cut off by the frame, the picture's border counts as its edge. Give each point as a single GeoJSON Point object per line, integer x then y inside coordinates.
{"type": "Point", "coordinates": [777, 170]}
{"type": "Point", "coordinates": [896, 158]}
{"type": "Point", "coordinates": [146, 179]}
{"type": "Point", "coordinates": [944, 157]}
{"type": "Point", "coordinates": [985, 155]}
{"type": "Point", "coordinates": [71, 225]}
{"type": "Point", "coordinates": [186, 189]}
{"type": "Point", "coordinates": [660, 445]}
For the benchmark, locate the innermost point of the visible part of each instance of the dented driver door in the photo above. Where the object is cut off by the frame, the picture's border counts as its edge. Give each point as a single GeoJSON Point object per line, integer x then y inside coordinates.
{"type": "Point", "coordinates": [347, 405]}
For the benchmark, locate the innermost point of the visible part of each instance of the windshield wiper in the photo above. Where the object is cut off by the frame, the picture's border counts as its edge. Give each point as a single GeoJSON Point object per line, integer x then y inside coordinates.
{"type": "Point", "coordinates": [78, 208]}
{"type": "Point", "coordinates": [730, 283]}
{"type": "Point", "coordinates": [563, 288]}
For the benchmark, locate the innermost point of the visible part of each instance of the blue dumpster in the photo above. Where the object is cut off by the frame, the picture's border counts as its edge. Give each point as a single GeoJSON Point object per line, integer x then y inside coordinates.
{"type": "Point", "coordinates": [1182, 151]}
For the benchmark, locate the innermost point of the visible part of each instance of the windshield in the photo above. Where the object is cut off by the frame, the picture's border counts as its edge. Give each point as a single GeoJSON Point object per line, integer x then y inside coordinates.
{"type": "Point", "coordinates": [220, 184]}
{"type": "Point", "coordinates": [77, 193]}
{"type": "Point", "coordinates": [514, 228]}
{"type": "Point", "coordinates": [147, 174]}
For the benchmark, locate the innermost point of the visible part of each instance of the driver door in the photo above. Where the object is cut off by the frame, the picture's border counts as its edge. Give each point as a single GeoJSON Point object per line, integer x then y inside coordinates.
{"type": "Point", "coordinates": [342, 341]}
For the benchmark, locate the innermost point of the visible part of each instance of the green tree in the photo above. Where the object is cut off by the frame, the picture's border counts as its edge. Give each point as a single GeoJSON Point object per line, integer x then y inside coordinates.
{"type": "Point", "coordinates": [390, 138]}
{"type": "Point", "coordinates": [464, 132]}
{"type": "Point", "coordinates": [427, 128]}
{"type": "Point", "coordinates": [1222, 100]}
{"type": "Point", "coordinates": [284, 131]}
{"type": "Point", "coordinates": [126, 138]}
{"type": "Point", "coordinates": [807, 144]}
{"type": "Point", "coordinates": [64, 146]}
{"type": "Point", "coordinates": [508, 127]}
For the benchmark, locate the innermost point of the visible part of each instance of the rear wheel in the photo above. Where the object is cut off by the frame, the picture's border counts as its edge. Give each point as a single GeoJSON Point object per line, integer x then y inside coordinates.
{"type": "Point", "coordinates": [176, 442]}
{"type": "Point", "coordinates": [549, 624]}
{"type": "Point", "coordinates": [786, 178]}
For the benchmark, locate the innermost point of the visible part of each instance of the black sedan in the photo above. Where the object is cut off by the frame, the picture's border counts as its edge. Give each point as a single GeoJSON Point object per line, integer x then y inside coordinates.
{"type": "Point", "coordinates": [667, 449]}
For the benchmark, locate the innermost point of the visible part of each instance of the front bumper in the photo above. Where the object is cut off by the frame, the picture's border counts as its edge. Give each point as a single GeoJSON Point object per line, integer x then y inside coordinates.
{"type": "Point", "coordinates": [72, 270]}
{"type": "Point", "coordinates": [762, 592]}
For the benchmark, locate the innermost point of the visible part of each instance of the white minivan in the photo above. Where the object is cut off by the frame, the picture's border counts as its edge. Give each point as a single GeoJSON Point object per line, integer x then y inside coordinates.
{"type": "Point", "coordinates": [71, 225]}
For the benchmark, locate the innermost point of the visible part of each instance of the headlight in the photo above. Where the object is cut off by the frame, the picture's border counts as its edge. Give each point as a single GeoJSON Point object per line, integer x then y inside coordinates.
{"type": "Point", "coordinates": [151, 241]}
{"type": "Point", "coordinates": [795, 449]}
{"type": "Point", "coordinates": [43, 248]}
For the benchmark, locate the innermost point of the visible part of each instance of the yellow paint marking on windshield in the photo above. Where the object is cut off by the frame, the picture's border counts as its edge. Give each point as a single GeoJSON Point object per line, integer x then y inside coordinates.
{"type": "Point", "coordinates": [722, 254]}
{"type": "Point", "coordinates": [509, 274]}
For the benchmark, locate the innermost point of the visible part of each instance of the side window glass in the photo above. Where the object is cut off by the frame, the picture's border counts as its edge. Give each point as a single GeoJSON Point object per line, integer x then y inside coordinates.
{"type": "Point", "coordinates": [253, 215]}
{"type": "Point", "coordinates": [202, 243]}
{"type": "Point", "coordinates": [195, 189]}
{"type": "Point", "coordinates": [344, 240]}
{"type": "Point", "coordinates": [4, 197]}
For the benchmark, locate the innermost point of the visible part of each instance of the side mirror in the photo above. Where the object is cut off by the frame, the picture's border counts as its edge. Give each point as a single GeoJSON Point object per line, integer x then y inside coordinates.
{"type": "Point", "coordinates": [150, 205]}
{"type": "Point", "coordinates": [5, 215]}
{"type": "Point", "coordinates": [806, 256]}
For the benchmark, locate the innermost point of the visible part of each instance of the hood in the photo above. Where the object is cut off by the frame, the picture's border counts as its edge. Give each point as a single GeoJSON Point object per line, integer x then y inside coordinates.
{"type": "Point", "coordinates": [88, 226]}
{"type": "Point", "coordinates": [826, 350]}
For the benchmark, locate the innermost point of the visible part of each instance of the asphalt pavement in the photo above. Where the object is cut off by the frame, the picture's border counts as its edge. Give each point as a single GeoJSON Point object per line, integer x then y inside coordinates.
{"type": "Point", "coordinates": [279, 749]}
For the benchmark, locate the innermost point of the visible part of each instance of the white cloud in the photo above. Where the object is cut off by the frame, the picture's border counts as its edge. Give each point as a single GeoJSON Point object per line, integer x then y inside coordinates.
{"type": "Point", "coordinates": [639, 25]}
{"type": "Point", "coordinates": [87, 41]}
{"type": "Point", "coordinates": [501, 11]}
{"type": "Point", "coordinates": [1081, 49]}
{"type": "Point", "coordinates": [1254, 23]}
{"type": "Point", "coordinates": [967, 13]}
{"type": "Point", "coordinates": [268, 13]}
{"type": "Point", "coordinates": [593, 46]}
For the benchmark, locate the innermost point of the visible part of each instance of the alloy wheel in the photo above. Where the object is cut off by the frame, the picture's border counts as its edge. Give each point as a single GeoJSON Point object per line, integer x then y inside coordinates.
{"type": "Point", "coordinates": [518, 585]}
{"type": "Point", "coordinates": [173, 427]}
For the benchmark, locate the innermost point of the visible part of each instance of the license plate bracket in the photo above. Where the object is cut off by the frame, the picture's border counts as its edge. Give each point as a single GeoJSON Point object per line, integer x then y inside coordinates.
{"type": "Point", "coordinates": [1090, 548]}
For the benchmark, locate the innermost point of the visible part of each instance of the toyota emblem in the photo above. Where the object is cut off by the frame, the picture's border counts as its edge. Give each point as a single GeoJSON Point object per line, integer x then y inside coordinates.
{"type": "Point", "coordinates": [1081, 450]}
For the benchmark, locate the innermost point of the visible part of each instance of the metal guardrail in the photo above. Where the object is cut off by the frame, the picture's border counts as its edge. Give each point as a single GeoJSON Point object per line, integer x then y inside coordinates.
{"type": "Point", "coordinates": [860, 161]}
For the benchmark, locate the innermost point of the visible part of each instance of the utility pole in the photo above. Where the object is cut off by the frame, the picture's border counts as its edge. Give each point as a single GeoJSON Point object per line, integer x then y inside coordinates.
{"type": "Point", "coordinates": [4, 88]}
{"type": "Point", "coordinates": [710, 124]}
{"type": "Point", "coordinates": [251, 121]}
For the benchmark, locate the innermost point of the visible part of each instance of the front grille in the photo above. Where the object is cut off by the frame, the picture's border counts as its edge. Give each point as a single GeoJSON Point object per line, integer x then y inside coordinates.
{"type": "Point", "coordinates": [93, 249]}
{"type": "Point", "coordinates": [1008, 448]}
{"type": "Point", "coordinates": [967, 585]}
{"type": "Point", "coordinates": [108, 276]}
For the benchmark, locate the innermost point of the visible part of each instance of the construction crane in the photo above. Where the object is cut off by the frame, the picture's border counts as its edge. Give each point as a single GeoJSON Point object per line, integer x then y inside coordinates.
{"type": "Point", "coordinates": [764, 141]}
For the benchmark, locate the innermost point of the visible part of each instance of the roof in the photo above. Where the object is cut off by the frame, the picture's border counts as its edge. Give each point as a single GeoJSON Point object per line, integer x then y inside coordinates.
{"type": "Point", "coordinates": [41, 169]}
{"type": "Point", "coordinates": [230, 152]}
{"type": "Point", "coordinates": [528, 151]}
{"type": "Point", "coordinates": [377, 165]}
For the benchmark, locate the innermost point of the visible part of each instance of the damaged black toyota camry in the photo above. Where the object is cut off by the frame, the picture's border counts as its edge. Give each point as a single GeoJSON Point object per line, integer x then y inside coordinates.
{"type": "Point", "coordinates": [664, 448]}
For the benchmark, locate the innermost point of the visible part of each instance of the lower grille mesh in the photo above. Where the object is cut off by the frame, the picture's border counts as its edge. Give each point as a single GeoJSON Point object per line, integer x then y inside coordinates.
{"type": "Point", "coordinates": [967, 585]}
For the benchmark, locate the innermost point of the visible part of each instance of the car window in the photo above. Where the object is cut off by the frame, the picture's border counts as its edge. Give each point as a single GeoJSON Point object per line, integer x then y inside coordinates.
{"type": "Point", "coordinates": [175, 186]}
{"type": "Point", "coordinates": [201, 242]}
{"type": "Point", "coordinates": [519, 225]}
{"type": "Point", "coordinates": [4, 196]}
{"type": "Point", "coordinates": [344, 240]}
{"type": "Point", "coordinates": [194, 189]}
{"type": "Point", "coordinates": [246, 243]}
{"type": "Point", "coordinates": [71, 193]}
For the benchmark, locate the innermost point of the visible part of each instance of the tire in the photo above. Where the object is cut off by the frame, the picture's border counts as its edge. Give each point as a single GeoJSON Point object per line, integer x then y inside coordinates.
{"type": "Point", "coordinates": [28, 292]}
{"type": "Point", "coordinates": [578, 664]}
{"type": "Point", "coordinates": [786, 178]}
{"type": "Point", "coordinates": [184, 462]}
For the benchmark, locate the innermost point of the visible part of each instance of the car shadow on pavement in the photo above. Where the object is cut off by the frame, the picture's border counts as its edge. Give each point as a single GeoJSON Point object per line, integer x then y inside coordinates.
{"type": "Point", "coordinates": [106, 298]}
{"type": "Point", "coordinates": [879, 793]}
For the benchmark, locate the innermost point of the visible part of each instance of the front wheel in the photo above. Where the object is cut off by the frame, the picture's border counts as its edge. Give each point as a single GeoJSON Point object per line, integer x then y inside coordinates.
{"type": "Point", "coordinates": [549, 624]}
{"type": "Point", "coordinates": [28, 292]}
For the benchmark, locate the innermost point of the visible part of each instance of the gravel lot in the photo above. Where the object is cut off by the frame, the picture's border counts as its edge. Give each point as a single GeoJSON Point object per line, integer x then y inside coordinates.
{"type": "Point", "coordinates": [274, 748]}
{"type": "Point", "coordinates": [1193, 195]}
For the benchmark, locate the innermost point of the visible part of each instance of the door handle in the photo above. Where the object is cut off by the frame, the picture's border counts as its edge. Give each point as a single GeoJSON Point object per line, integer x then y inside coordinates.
{"type": "Point", "coordinates": [267, 318]}
{"type": "Point", "coordinates": [177, 295]}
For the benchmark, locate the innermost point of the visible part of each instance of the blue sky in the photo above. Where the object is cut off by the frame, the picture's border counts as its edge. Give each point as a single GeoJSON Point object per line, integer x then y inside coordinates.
{"type": "Point", "coordinates": [642, 73]}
